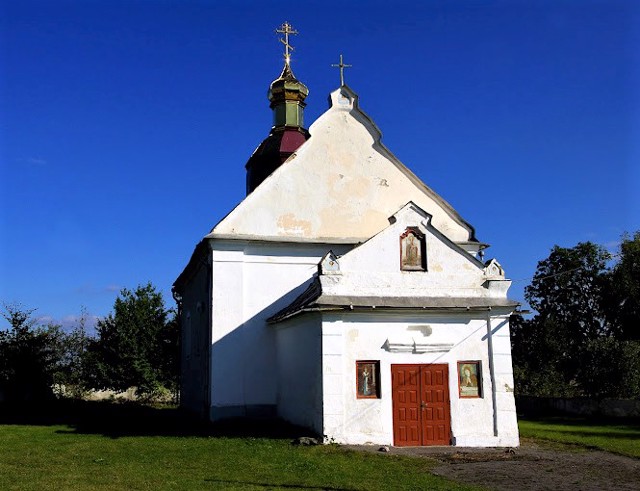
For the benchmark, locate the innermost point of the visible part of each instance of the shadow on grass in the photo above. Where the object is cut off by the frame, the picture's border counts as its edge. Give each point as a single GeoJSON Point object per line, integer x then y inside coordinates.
{"type": "Point", "coordinates": [272, 485]}
{"type": "Point", "coordinates": [629, 423]}
{"type": "Point", "coordinates": [132, 419]}
{"type": "Point", "coordinates": [583, 433]}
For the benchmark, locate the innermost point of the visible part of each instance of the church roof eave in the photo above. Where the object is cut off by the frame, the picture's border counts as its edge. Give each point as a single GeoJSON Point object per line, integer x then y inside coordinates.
{"type": "Point", "coordinates": [286, 238]}
{"type": "Point", "coordinates": [198, 258]}
{"type": "Point", "coordinates": [314, 300]}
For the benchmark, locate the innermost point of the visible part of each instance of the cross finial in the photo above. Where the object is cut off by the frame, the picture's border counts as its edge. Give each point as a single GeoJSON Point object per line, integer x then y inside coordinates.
{"type": "Point", "coordinates": [342, 66]}
{"type": "Point", "coordinates": [286, 29]}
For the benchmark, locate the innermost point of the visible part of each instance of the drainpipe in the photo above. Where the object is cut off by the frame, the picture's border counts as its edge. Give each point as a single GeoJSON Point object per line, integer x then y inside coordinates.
{"type": "Point", "coordinates": [492, 374]}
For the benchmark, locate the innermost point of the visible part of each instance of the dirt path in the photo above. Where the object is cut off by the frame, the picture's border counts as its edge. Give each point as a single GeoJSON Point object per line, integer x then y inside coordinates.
{"type": "Point", "coordinates": [532, 467]}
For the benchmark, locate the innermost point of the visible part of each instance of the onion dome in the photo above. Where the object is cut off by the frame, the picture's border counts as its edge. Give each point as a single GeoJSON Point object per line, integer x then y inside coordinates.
{"type": "Point", "coordinates": [286, 96]}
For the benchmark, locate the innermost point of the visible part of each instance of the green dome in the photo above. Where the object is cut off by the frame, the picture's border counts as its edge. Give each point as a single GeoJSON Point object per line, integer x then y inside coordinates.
{"type": "Point", "coordinates": [287, 88]}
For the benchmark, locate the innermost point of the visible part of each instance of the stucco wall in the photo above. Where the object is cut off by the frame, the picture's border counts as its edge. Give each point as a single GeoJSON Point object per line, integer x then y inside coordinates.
{"type": "Point", "coordinates": [195, 341]}
{"type": "Point", "coordinates": [373, 268]}
{"type": "Point", "coordinates": [251, 282]}
{"type": "Point", "coordinates": [342, 183]}
{"type": "Point", "coordinates": [300, 371]}
{"type": "Point", "coordinates": [347, 338]}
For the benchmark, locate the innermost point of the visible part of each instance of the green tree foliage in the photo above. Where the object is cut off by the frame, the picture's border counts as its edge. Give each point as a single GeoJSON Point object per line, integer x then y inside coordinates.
{"type": "Point", "coordinates": [70, 375]}
{"type": "Point", "coordinates": [610, 368]}
{"type": "Point", "coordinates": [622, 297]}
{"type": "Point", "coordinates": [30, 355]}
{"type": "Point", "coordinates": [136, 345]}
{"type": "Point", "coordinates": [581, 341]}
{"type": "Point", "coordinates": [567, 289]}
{"type": "Point", "coordinates": [542, 365]}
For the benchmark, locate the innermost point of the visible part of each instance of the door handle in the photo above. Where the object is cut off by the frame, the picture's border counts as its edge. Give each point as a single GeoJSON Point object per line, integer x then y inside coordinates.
{"type": "Point", "coordinates": [423, 404]}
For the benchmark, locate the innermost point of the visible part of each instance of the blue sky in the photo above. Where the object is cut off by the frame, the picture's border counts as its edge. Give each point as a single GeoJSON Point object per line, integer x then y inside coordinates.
{"type": "Point", "coordinates": [125, 126]}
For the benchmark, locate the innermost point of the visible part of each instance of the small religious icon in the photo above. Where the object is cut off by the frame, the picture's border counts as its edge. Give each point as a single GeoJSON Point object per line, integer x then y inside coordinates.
{"type": "Point", "coordinates": [468, 375]}
{"type": "Point", "coordinates": [366, 382]}
{"type": "Point", "coordinates": [367, 375]}
{"type": "Point", "coordinates": [411, 252]}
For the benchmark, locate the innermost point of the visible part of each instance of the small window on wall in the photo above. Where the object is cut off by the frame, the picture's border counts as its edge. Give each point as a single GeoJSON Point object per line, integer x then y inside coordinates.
{"type": "Point", "coordinates": [470, 378]}
{"type": "Point", "coordinates": [368, 379]}
{"type": "Point", "coordinates": [413, 251]}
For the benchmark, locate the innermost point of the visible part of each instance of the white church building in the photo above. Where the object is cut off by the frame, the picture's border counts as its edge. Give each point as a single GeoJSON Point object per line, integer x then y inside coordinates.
{"type": "Point", "coordinates": [344, 295]}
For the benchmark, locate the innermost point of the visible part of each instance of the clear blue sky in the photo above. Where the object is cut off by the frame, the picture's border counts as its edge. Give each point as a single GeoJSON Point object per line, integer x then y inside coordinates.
{"type": "Point", "coordinates": [125, 126]}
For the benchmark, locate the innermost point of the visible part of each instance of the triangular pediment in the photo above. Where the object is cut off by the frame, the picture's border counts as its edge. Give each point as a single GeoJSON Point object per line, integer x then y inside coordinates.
{"type": "Point", "coordinates": [411, 257]}
{"type": "Point", "coordinates": [341, 185]}
{"type": "Point", "coordinates": [372, 275]}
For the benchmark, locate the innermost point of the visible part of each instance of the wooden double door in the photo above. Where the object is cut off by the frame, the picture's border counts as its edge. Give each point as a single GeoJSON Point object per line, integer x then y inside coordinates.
{"type": "Point", "coordinates": [421, 408]}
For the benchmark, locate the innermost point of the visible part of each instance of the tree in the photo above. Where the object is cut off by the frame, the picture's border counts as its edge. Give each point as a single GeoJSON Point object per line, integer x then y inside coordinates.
{"type": "Point", "coordinates": [566, 291]}
{"type": "Point", "coordinates": [170, 359]}
{"type": "Point", "coordinates": [541, 364]}
{"type": "Point", "coordinates": [133, 344]}
{"type": "Point", "coordinates": [70, 376]}
{"type": "Point", "coordinates": [30, 355]}
{"type": "Point", "coordinates": [622, 296]}
{"type": "Point", "coordinates": [581, 341]}
{"type": "Point", "coordinates": [567, 288]}
{"type": "Point", "coordinates": [610, 368]}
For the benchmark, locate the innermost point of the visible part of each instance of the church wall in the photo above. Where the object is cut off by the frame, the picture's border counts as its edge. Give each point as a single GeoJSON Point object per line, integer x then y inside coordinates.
{"type": "Point", "coordinates": [503, 368]}
{"type": "Point", "coordinates": [251, 282]}
{"type": "Point", "coordinates": [300, 371]}
{"type": "Point", "coordinates": [375, 266]}
{"type": "Point", "coordinates": [195, 342]}
{"type": "Point", "coordinates": [486, 421]}
{"type": "Point", "coordinates": [341, 183]}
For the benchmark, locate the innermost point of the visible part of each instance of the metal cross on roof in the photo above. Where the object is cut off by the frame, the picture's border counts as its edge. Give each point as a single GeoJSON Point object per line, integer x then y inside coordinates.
{"type": "Point", "coordinates": [342, 66]}
{"type": "Point", "coordinates": [286, 29]}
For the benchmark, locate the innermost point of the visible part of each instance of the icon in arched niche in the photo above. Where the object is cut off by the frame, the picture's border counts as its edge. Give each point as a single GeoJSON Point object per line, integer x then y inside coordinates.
{"type": "Point", "coordinates": [413, 253]}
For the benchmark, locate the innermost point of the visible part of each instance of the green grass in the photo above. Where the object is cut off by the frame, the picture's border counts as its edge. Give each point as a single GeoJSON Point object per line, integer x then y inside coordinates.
{"type": "Point", "coordinates": [153, 451]}
{"type": "Point", "coordinates": [623, 439]}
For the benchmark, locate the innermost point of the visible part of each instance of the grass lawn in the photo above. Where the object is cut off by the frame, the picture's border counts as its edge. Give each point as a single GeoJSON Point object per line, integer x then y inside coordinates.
{"type": "Point", "coordinates": [614, 437]}
{"type": "Point", "coordinates": [106, 448]}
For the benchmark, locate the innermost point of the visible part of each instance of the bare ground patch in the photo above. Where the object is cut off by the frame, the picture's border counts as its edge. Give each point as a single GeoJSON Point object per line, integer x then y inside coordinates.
{"type": "Point", "coordinates": [532, 466]}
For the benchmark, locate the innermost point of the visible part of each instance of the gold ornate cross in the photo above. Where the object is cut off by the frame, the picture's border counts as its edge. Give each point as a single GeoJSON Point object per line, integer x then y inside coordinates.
{"type": "Point", "coordinates": [342, 66]}
{"type": "Point", "coordinates": [286, 29]}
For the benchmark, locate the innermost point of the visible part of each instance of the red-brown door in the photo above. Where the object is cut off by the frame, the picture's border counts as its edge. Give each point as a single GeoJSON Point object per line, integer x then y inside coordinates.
{"type": "Point", "coordinates": [420, 405]}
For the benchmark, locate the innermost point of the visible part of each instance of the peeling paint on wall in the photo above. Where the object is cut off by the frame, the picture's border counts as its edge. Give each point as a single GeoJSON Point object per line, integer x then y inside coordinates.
{"type": "Point", "coordinates": [288, 224]}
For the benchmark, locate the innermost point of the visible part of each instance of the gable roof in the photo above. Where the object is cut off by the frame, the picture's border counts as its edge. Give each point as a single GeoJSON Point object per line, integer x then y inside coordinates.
{"type": "Point", "coordinates": [341, 185]}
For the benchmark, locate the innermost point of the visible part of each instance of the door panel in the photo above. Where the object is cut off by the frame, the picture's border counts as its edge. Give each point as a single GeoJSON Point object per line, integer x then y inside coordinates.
{"type": "Point", "coordinates": [406, 406]}
{"type": "Point", "coordinates": [435, 392]}
{"type": "Point", "coordinates": [420, 405]}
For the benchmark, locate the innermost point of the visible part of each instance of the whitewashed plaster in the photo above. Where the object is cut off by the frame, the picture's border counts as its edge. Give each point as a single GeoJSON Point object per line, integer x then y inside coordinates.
{"type": "Point", "coordinates": [409, 337]}
{"type": "Point", "coordinates": [195, 343]}
{"type": "Point", "coordinates": [250, 282]}
{"type": "Point", "coordinates": [347, 338]}
{"type": "Point", "coordinates": [374, 266]}
{"type": "Point", "coordinates": [299, 366]}
{"type": "Point", "coordinates": [341, 185]}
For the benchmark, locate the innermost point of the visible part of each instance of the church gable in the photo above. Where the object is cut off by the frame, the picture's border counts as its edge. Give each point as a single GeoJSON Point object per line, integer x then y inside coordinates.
{"type": "Point", "coordinates": [409, 265]}
{"type": "Point", "coordinates": [341, 185]}
{"type": "Point", "coordinates": [411, 257]}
